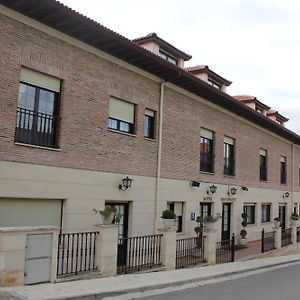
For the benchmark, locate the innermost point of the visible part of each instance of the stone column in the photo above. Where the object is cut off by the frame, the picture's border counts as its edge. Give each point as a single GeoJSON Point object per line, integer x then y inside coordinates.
{"type": "Point", "coordinates": [278, 238]}
{"type": "Point", "coordinates": [107, 249]}
{"type": "Point", "coordinates": [210, 243]}
{"type": "Point", "coordinates": [168, 248]}
{"type": "Point", "coordinates": [294, 234]}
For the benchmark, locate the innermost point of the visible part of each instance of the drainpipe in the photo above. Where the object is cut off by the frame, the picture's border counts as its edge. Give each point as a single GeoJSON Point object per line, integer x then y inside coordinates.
{"type": "Point", "coordinates": [157, 191]}
{"type": "Point", "coordinates": [292, 177]}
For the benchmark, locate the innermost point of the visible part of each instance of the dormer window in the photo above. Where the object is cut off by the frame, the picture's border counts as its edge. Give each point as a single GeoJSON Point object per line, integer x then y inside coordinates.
{"type": "Point", "coordinates": [214, 84]}
{"type": "Point", "coordinates": [168, 57]}
{"type": "Point", "coordinates": [258, 109]}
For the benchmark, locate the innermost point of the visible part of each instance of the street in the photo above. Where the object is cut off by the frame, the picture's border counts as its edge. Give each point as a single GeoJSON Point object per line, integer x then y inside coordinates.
{"type": "Point", "coordinates": [276, 284]}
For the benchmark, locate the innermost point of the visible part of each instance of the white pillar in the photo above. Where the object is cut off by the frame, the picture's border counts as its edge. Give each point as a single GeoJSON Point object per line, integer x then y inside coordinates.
{"type": "Point", "coordinates": [294, 234]}
{"type": "Point", "coordinates": [210, 243]}
{"type": "Point", "coordinates": [107, 249]}
{"type": "Point", "coordinates": [278, 238]}
{"type": "Point", "coordinates": [168, 248]}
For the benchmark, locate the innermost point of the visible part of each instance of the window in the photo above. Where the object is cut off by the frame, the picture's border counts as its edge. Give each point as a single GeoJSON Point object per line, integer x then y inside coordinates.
{"type": "Point", "coordinates": [149, 124]}
{"type": "Point", "coordinates": [177, 208]}
{"type": "Point", "coordinates": [263, 171]}
{"type": "Point", "coordinates": [299, 175]}
{"type": "Point", "coordinates": [37, 109]}
{"type": "Point", "coordinates": [168, 57]}
{"type": "Point", "coordinates": [229, 166]}
{"type": "Point", "coordinates": [265, 213]}
{"type": "Point", "coordinates": [259, 109]}
{"type": "Point", "coordinates": [249, 209]}
{"type": "Point", "coordinates": [214, 84]}
{"type": "Point", "coordinates": [206, 151]}
{"type": "Point", "coordinates": [121, 115]}
{"type": "Point", "coordinates": [283, 170]}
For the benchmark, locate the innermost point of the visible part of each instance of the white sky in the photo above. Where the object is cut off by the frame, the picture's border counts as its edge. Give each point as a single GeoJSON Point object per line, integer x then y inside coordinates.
{"type": "Point", "coordinates": [254, 43]}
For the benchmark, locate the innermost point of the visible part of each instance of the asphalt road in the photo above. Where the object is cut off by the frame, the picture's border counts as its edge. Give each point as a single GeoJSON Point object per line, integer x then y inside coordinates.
{"type": "Point", "coordinates": [278, 284]}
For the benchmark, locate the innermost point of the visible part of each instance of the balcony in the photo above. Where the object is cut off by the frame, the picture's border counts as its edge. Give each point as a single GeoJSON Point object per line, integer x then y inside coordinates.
{"type": "Point", "coordinates": [36, 128]}
{"type": "Point", "coordinates": [207, 162]}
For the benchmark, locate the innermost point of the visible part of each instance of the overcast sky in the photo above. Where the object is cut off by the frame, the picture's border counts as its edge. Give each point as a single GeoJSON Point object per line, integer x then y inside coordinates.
{"type": "Point", "coordinates": [253, 43]}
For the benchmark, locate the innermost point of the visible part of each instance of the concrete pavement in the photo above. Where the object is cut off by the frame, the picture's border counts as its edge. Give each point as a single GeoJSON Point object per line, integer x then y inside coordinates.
{"type": "Point", "coordinates": [103, 287]}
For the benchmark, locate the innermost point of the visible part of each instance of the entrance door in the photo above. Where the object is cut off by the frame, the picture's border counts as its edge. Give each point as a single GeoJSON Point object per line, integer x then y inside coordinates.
{"type": "Point", "coordinates": [281, 215]}
{"type": "Point", "coordinates": [122, 208]}
{"type": "Point", "coordinates": [226, 221]}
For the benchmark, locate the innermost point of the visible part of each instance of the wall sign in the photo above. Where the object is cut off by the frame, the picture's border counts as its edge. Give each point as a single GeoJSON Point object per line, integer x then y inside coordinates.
{"type": "Point", "coordinates": [193, 216]}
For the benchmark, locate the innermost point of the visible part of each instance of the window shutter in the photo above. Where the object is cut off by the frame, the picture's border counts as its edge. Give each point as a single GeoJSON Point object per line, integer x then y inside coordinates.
{"type": "Point", "coordinates": [228, 140]}
{"type": "Point", "coordinates": [262, 152]}
{"type": "Point", "coordinates": [205, 133]}
{"type": "Point", "coordinates": [41, 80]}
{"type": "Point", "coordinates": [121, 110]}
{"type": "Point", "coordinates": [149, 112]}
{"type": "Point", "coordinates": [178, 209]}
{"type": "Point", "coordinates": [282, 159]}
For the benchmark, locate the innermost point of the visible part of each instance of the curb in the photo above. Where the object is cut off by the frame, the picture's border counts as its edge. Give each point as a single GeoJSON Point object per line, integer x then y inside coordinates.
{"type": "Point", "coordinates": [97, 296]}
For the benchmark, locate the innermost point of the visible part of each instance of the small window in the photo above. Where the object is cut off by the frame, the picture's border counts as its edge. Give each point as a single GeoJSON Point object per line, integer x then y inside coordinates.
{"type": "Point", "coordinates": [229, 163]}
{"type": "Point", "coordinates": [249, 209]}
{"type": "Point", "coordinates": [168, 57]}
{"type": "Point", "coordinates": [121, 115]}
{"type": "Point", "coordinates": [149, 124]}
{"type": "Point", "coordinates": [177, 208]}
{"type": "Point", "coordinates": [214, 84]}
{"type": "Point", "coordinates": [299, 175]}
{"type": "Point", "coordinates": [283, 170]}
{"type": "Point", "coordinates": [263, 170]}
{"type": "Point", "coordinates": [265, 213]}
{"type": "Point", "coordinates": [206, 151]}
{"type": "Point", "coordinates": [37, 119]}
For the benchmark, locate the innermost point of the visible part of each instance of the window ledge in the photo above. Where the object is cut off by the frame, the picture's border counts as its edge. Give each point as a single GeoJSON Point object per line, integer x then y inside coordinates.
{"type": "Point", "coordinates": [251, 225]}
{"type": "Point", "coordinates": [121, 132]}
{"type": "Point", "coordinates": [149, 139]}
{"type": "Point", "coordinates": [208, 173]}
{"type": "Point", "coordinates": [38, 147]}
{"type": "Point", "coordinates": [229, 176]}
{"type": "Point", "coordinates": [263, 181]}
{"type": "Point", "coordinates": [267, 223]}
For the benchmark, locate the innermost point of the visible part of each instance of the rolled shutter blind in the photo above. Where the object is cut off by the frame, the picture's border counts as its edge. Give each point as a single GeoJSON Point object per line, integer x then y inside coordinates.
{"type": "Point", "coordinates": [121, 110]}
{"type": "Point", "coordinates": [262, 152]}
{"type": "Point", "coordinates": [178, 209]}
{"type": "Point", "coordinates": [149, 112]}
{"type": "Point", "coordinates": [228, 140]}
{"type": "Point", "coordinates": [282, 159]}
{"type": "Point", "coordinates": [40, 79]}
{"type": "Point", "coordinates": [206, 134]}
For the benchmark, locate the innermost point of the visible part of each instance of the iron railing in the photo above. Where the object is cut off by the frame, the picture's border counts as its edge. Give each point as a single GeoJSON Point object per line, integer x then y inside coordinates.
{"type": "Point", "coordinates": [225, 251]}
{"type": "Point", "coordinates": [263, 173]}
{"type": "Point", "coordinates": [189, 251]}
{"type": "Point", "coordinates": [76, 252]}
{"type": "Point", "coordinates": [207, 162]}
{"type": "Point", "coordinates": [286, 237]}
{"type": "Point", "coordinates": [229, 166]}
{"type": "Point", "coordinates": [267, 241]}
{"type": "Point", "coordinates": [139, 253]}
{"type": "Point", "coordinates": [36, 128]}
{"type": "Point", "coordinates": [298, 234]}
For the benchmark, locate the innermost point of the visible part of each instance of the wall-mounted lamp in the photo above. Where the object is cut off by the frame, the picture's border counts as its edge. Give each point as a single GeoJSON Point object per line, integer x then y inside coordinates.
{"type": "Point", "coordinates": [212, 189]}
{"type": "Point", "coordinates": [232, 191]}
{"type": "Point", "coordinates": [126, 183]}
{"type": "Point", "coordinates": [286, 194]}
{"type": "Point", "coordinates": [244, 188]}
{"type": "Point", "coordinates": [194, 183]}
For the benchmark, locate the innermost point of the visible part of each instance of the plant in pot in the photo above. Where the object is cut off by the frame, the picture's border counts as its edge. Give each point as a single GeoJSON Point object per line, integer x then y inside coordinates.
{"type": "Point", "coordinates": [277, 222]}
{"type": "Point", "coordinates": [107, 214]}
{"type": "Point", "coordinates": [294, 219]}
{"type": "Point", "coordinates": [243, 232]}
{"type": "Point", "coordinates": [207, 222]}
{"type": "Point", "coordinates": [168, 217]}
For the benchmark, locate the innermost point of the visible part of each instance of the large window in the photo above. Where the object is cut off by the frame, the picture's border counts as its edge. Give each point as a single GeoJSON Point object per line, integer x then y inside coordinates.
{"type": "Point", "coordinates": [121, 115]}
{"type": "Point", "coordinates": [168, 57]}
{"type": "Point", "coordinates": [263, 171]}
{"type": "Point", "coordinates": [37, 110]}
{"type": "Point", "coordinates": [229, 165]}
{"type": "Point", "coordinates": [149, 124]}
{"type": "Point", "coordinates": [206, 151]}
{"type": "Point", "coordinates": [283, 170]}
{"type": "Point", "coordinates": [177, 208]}
{"type": "Point", "coordinates": [265, 213]}
{"type": "Point", "coordinates": [249, 209]}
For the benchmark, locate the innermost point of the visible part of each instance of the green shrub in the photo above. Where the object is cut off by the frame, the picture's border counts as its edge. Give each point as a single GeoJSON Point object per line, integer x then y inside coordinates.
{"type": "Point", "coordinates": [168, 214]}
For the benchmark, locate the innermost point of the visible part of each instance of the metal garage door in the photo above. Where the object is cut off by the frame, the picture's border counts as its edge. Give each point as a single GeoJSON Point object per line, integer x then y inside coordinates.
{"type": "Point", "coordinates": [30, 212]}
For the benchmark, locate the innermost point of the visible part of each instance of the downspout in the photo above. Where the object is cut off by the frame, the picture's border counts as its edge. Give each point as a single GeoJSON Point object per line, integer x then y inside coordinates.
{"type": "Point", "coordinates": [157, 184]}
{"type": "Point", "coordinates": [292, 178]}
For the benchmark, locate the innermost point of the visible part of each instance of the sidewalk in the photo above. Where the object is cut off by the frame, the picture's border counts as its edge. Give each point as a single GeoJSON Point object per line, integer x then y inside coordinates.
{"type": "Point", "coordinates": [103, 287]}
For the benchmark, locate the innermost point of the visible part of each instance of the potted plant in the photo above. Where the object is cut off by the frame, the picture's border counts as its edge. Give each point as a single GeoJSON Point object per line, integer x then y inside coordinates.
{"type": "Point", "coordinates": [243, 232]}
{"type": "Point", "coordinates": [294, 219]}
{"type": "Point", "coordinates": [168, 217]}
{"type": "Point", "coordinates": [277, 222]}
{"type": "Point", "coordinates": [107, 214]}
{"type": "Point", "coordinates": [207, 222]}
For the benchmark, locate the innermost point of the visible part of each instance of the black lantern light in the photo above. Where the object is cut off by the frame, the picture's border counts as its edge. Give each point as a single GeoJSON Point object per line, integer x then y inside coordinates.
{"type": "Point", "coordinates": [286, 195]}
{"type": "Point", "coordinates": [126, 183]}
{"type": "Point", "coordinates": [233, 191]}
{"type": "Point", "coordinates": [212, 189]}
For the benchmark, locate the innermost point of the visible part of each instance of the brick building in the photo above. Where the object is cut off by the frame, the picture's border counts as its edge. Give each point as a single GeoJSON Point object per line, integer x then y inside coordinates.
{"type": "Point", "coordinates": [83, 107]}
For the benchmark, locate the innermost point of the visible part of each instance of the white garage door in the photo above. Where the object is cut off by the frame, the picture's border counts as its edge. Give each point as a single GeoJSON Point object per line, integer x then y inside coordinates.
{"type": "Point", "coordinates": [30, 212]}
